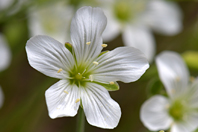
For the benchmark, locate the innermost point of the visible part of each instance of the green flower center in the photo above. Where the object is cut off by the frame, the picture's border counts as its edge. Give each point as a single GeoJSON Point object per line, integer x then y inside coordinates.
{"type": "Point", "coordinates": [176, 111]}
{"type": "Point", "coordinates": [122, 11]}
{"type": "Point", "coordinates": [79, 76]}
{"type": "Point", "coordinates": [125, 11]}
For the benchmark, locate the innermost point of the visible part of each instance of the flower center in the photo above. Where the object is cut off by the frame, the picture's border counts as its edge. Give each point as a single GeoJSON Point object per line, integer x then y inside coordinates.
{"type": "Point", "coordinates": [122, 11]}
{"type": "Point", "coordinates": [79, 76]}
{"type": "Point", "coordinates": [125, 11]}
{"type": "Point", "coordinates": [176, 111]}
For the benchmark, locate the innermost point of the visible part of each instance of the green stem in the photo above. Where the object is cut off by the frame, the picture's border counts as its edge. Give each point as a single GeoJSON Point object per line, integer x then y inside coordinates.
{"type": "Point", "coordinates": [81, 121]}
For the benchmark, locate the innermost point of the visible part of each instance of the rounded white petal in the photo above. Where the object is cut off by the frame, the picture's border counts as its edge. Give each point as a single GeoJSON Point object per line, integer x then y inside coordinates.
{"type": "Point", "coordinates": [87, 27]}
{"type": "Point", "coordinates": [189, 124]}
{"type": "Point", "coordinates": [5, 4]}
{"type": "Point", "coordinates": [192, 94]}
{"type": "Point", "coordinates": [154, 113]}
{"type": "Point", "coordinates": [141, 38]}
{"type": "Point", "coordinates": [124, 64]}
{"type": "Point", "coordinates": [52, 20]}
{"type": "Point", "coordinates": [99, 108]}
{"type": "Point", "coordinates": [112, 29]}
{"type": "Point", "coordinates": [1, 97]}
{"type": "Point", "coordinates": [5, 53]}
{"type": "Point", "coordinates": [48, 56]}
{"type": "Point", "coordinates": [164, 17]}
{"type": "Point", "coordinates": [61, 99]}
{"type": "Point", "coordinates": [173, 72]}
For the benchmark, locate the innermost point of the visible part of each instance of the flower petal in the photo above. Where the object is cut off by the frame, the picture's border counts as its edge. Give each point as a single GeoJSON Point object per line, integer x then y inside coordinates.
{"type": "Point", "coordinates": [141, 38]}
{"type": "Point", "coordinates": [5, 4]}
{"type": "Point", "coordinates": [124, 64]}
{"type": "Point", "coordinates": [99, 108]}
{"type": "Point", "coordinates": [4, 53]}
{"type": "Point", "coordinates": [112, 29]}
{"type": "Point", "coordinates": [61, 99]}
{"type": "Point", "coordinates": [192, 94]}
{"type": "Point", "coordinates": [48, 56]}
{"type": "Point", "coordinates": [154, 113]}
{"type": "Point", "coordinates": [164, 17]}
{"type": "Point", "coordinates": [189, 124]}
{"type": "Point", "coordinates": [87, 27]}
{"type": "Point", "coordinates": [173, 72]}
{"type": "Point", "coordinates": [1, 97]}
{"type": "Point", "coordinates": [55, 25]}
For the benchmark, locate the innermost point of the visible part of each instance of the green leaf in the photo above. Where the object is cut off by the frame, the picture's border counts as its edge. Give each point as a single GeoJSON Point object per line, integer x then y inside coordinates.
{"type": "Point", "coordinates": [110, 87]}
{"type": "Point", "coordinates": [69, 46]}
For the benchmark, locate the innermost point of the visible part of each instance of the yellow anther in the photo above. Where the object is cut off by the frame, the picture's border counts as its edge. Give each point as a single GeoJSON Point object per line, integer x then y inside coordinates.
{"type": "Point", "coordinates": [177, 79]}
{"type": "Point", "coordinates": [111, 83]}
{"type": "Point", "coordinates": [167, 106]}
{"type": "Point", "coordinates": [95, 63]}
{"type": "Point", "coordinates": [161, 131]}
{"type": "Point", "coordinates": [65, 92]}
{"type": "Point", "coordinates": [173, 91]}
{"type": "Point", "coordinates": [192, 79]}
{"type": "Point", "coordinates": [77, 100]}
{"type": "Point", "coordinates": [59, 70]}
{"type": "Point", "coordinates": [91, 78]}
{"type": "Point", "coordinates": [104, 45]}
{"type": "Point", "coordinates": [88, 43]}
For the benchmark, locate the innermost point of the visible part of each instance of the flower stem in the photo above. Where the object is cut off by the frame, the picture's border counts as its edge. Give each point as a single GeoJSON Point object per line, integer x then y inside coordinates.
{"type": "Point", "coordinates": [81, 121]}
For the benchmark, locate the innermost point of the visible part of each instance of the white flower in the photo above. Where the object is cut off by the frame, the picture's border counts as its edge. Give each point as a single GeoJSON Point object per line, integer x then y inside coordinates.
{"type": "Point", "coordinates": [51, 19]}
{"type": "Point", "coordinates": [136, 18]}
{"type": "Point", "coordinates": [5, 4]}
{"type": "Point", "coordinates": [5, 58]}
{"type": "Point", "coordinates": [85, 74]}
{"type": "Point", "coordinates": [5, 54]}
{"type": "Point", "coordinates": [178, 111]}
{"type": "Point", "coordinates": [1, 97]}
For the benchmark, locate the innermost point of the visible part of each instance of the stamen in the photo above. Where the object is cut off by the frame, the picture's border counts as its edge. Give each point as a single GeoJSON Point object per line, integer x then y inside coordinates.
{"type": "Point", "coordinates": [88, 43]}
{"type": "Point", "coordinates": [91, 78]}
{"type": "Point", "coordinates": [65, 91]}
{"type": "Point", "coordinates": [59, 70]}
{"type": "Point", "coordinates": [95, 63]}
{"type": "Point", "coordinates": [192, 79]}
{"type": "Point", "coordinates": [104, 45]}
{"type": "Point", "coordinates": [167, 106]}
{"type": "Point", "coordinates": [177, 79]}
{"type": "Point", "coordinates": [161, 131]}
{"type": "Point", "coordinates": [77, 100]}
{"type": "Point", "coordinates": [84, 71]}
{"type": "Point", "coordinates": [172, 91]}
{"type": "Point", "coordinates": [111, 83]}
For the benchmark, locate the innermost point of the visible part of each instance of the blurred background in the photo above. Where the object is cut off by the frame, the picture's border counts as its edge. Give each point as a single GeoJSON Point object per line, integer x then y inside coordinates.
{"type": "Point", "coordinates": [23, 106]}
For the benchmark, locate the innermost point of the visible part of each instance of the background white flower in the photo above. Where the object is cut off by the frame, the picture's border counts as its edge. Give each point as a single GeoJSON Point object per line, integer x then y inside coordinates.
{"type": "Point", "coordinates": [179, 109]}
{"type": "Point", "coordinates": [136, 18]}
{"type": "Point", "coordinates": [86, 75]}
{"type": "Point", "coordinates": [52, 19]}
{"type": "Point", "coordinates": [5, 58]}
{"type": "Point", "coordinates": [5, 53]}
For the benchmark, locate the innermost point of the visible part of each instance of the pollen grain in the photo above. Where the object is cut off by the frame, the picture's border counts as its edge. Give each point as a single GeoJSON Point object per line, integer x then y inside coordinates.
{"type": "Point", "coordinates": [95, 63]}
{"type": "Point", "coordinates": [59, 70]}
{"type": "Point", "coordinates": [77, 100]}
{"type": "Point", "coordinates": [88, 43]}
{"type": "Point", "coordinates": [104, 45]}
